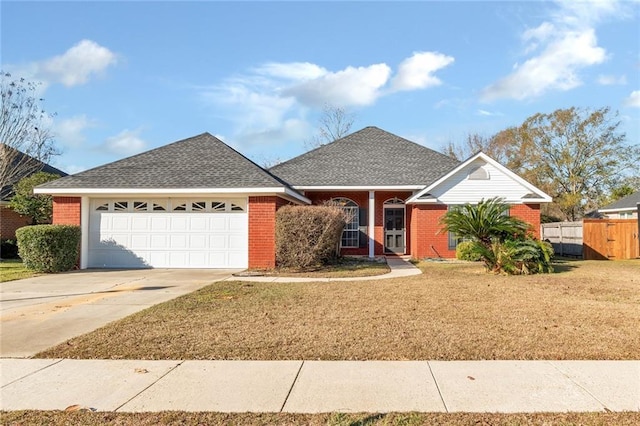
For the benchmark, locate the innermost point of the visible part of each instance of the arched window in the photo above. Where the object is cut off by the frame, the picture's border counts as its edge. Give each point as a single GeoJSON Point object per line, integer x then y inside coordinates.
{"type": "Point", "coordinates": [351, 232]}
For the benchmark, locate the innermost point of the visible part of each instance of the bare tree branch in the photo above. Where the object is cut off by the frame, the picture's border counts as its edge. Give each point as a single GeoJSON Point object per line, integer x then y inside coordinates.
{"type": "Point", "coordinates": [334, 123]}
{"type": "Point", "coordinates": [26, 140]}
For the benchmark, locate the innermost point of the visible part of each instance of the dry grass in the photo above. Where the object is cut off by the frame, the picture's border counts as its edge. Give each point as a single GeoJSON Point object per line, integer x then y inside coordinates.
{"type": "Point", "coordinates": [588, 310]}
{"type": "Point", "coordinates": [335, 419]}
{"type": "Point", "coordinates": [11, 269]}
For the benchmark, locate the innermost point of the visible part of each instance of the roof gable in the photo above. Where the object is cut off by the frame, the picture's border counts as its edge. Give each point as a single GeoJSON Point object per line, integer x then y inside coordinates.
{"type": "Point", "coordinates": [630, 202]}
{"type": "Point", "coordinates": [33, 166]}
{"type": "Point", "coordinates": [367, 158]}
{"type": "Point", "coordinates": [201, 161]}
{"type": "Point", "coordinates": [480, 177]}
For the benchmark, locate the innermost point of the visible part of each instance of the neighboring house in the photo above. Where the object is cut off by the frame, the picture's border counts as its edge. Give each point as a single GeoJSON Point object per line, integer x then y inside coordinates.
{"type": "Point", "coordinates": [197, 203]}
{"type": "Point", "coordinates": [9, 219]}
{"type": "Point", "coordinates": [624, 208]}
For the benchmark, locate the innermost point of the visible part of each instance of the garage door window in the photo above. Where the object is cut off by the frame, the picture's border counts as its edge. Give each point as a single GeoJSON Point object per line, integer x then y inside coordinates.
{"type": "Point", "coordinates": [174, 205]}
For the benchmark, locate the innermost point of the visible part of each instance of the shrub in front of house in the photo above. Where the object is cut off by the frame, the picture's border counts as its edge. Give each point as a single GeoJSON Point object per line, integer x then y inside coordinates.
{"type": "Point", "coordinates": [49, 248]}
{"type": "Point", "coordinates": [8, 249]}
{"type": "Point", "coordinates": [466, 251]}
{"type": "Point", "coordinates": [307, 236]}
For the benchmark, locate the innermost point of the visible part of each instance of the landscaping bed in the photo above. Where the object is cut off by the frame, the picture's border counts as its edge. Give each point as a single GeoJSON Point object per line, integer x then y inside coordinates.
{"type": "Point", "coordinates": [345, 267]}
{"type": "Point", "coordinates": [587, 310]}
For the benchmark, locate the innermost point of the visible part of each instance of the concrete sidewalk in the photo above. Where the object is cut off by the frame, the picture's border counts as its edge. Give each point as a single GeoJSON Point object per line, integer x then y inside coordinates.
{"type": "Point", "coordinates": [399, 268]}
{"type": "Point", "coordinates": [321, 386]}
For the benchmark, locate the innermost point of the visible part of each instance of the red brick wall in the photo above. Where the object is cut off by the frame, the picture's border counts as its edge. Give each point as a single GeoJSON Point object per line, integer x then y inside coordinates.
{"type": "Point", "coordinates": [66, 211]}
{"type": "Point", "coordinates": [262, 231]}
{"type": "Point", "coordinates": [426, 238]}
{"type": "Point", "coordinates": [10, 221]}
{"type": "Point", "coordinates": [530, 213]}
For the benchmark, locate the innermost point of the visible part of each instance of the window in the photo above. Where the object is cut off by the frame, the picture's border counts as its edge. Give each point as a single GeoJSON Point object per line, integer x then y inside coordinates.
{"type": "Point", "coordinates": [139, 206]}
{"type": "Point", "coordinates": [351, 232]}
{"type": "Point", "coordinates": [103, 207]}
{"type": "Point", "coordinates": [218, 206]}
{"type": "Point", "coordinates": [119, 206]}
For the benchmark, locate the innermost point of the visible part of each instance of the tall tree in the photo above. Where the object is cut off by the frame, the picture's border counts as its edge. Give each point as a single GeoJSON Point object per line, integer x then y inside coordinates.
{"type": "Point", "coordinates": [334, 123]}
{"type": "Point", "coordinates": [39, 207]}
{"type": "Point", "coordinates": [24, 129]}
{"type": "Point", "coordinates": [576, 155]}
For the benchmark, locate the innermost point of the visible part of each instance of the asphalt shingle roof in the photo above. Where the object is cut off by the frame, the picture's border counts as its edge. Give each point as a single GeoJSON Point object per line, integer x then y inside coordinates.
{"type": "Point", "coordinates": [368, 157]}
{"type": "Point", "coordinates": [201, 161]}
{"type": "Point", "coordinates": [630, 201]}
{"type": "Point", "coordinates": [6, 192]}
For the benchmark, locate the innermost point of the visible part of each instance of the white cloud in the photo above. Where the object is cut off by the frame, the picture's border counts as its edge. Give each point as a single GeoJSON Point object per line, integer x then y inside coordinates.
{"type": "Point", "coordinates": [74, 67]}
{"type": "Point", "coordinates": [485, 113]}
{"type": "Point", "coordinates": [417, 71]}
{"type": "Point", "coordinates": [78, 64]}
{"type": "Point", "coordinates": [123, 144]}
{"type": "Point", "coordinates": [558, 50]}
{"type": "Point", "coordinates": [349, 87]}
{"type": "Point", "coordinates": [610, 80]}
{"type": "Point", "coordinates": [555, 68]}
{"type": "Point", "coordinates": [274, 98]}
{"type": "Point", "coordinates": [633, 100]}
{"type": "Point", "coordinates": [69, 131]}
{"type": "Point", "coordinates": [298, 71]}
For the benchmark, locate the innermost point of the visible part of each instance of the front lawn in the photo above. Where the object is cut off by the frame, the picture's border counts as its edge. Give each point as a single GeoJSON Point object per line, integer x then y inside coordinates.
{"type": "Point", "coordinates": [12, 269]}
{"type": "Point", "coordinates": [587, 310]}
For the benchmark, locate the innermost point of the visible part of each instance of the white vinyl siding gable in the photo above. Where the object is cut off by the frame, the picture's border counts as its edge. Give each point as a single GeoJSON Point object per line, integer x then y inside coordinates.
{"type": "Point", "coordinates": [460, 189]}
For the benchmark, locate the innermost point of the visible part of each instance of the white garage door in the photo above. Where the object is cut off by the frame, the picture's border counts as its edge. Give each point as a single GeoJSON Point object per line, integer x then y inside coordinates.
{"type": "Point", "coordinates": [168, 233]}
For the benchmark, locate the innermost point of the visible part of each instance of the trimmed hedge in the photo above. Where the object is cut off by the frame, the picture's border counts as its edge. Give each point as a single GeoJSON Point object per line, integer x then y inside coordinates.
{"type": "Point", "coordinates": [49, 248]}
{"type": "Point", "coordinates": [308, 236]}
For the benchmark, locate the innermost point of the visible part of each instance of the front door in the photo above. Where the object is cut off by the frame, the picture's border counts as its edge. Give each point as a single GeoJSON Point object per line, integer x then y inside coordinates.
{"type": "Point", "coordinates": [394, 230]}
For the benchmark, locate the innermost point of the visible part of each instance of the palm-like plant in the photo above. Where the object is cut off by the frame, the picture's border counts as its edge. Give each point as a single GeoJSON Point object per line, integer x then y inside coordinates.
{"type": "Point", "coordinates": [499, 240]}
{"type": "Point", "coordinates": [484, 222]}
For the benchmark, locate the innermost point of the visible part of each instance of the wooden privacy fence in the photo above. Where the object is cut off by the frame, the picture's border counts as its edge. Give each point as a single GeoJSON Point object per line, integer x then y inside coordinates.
{"type": "Point", "coordinates": [565, 237]}
{"type": "Point", "coordinates": [610, 239]}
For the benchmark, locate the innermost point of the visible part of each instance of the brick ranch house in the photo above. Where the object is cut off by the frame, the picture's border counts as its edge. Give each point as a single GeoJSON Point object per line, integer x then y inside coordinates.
{"type": "Point", "coordinates": [198, 203]}
{"type": "Point", "coordinates": [10, 221]}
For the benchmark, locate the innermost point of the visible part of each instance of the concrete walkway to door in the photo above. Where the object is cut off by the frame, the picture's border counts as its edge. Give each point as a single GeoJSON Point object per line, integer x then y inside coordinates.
{"type": "Point", "coordinates": [40, 312]}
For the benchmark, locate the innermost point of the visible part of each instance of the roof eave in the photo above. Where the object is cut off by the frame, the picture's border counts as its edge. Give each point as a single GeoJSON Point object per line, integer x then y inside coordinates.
{"type": "Point", "coordinates": [358, 187]}
{"type": "Point", "coordinates": [175, 192]}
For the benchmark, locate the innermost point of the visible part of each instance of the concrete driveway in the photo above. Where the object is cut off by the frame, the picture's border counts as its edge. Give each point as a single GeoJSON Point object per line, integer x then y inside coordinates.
{"type": "Point", "coordinates": [37, 313]}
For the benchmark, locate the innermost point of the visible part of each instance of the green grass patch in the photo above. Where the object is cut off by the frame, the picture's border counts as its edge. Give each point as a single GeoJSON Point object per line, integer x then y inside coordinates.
{"type": "Point", "coordinates": [13, 269]}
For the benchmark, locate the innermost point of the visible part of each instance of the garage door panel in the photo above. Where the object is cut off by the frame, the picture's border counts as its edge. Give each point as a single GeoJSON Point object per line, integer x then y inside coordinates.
{"type": "Point", "coordinates": [139, 223]}
{"type": "Point", "coordinates": [179, 223]}
{"type": "Point", "coordinates": [140, 241]}
{"type": "Point", "coordinates": [120, 222]}
{"type": "Point", "coordinates": [198, 242]}
{"type": "Point", "coordinates": [159, 223]}
{"type": "Point", "coordinates": [168, 239]}
{"type": "Point", "coordinates": [218, 223]}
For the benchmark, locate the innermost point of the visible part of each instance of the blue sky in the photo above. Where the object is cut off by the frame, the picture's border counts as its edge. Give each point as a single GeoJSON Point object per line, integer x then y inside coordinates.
{"type": "Point", "coordinates": [125, 77]}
